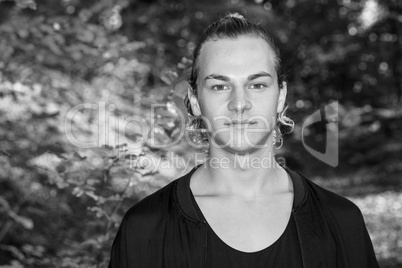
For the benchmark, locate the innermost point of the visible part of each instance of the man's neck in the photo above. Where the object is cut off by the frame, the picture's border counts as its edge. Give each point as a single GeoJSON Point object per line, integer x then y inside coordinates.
{"type": "Point", "coordinates": [248, 176]}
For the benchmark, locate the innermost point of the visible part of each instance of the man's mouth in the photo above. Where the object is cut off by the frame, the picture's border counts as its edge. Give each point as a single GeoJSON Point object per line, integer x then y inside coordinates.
{"type": "Point", "coordinates": [241, 122]}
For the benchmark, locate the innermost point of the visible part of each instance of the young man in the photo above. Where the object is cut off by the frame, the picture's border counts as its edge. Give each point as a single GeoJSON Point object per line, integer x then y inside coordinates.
{"type": "Point", "coordinates": [240, 208]}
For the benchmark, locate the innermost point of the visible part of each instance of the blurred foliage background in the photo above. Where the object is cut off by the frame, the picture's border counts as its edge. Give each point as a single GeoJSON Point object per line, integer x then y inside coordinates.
{"type": "Point", "coordinates": [74, 70]}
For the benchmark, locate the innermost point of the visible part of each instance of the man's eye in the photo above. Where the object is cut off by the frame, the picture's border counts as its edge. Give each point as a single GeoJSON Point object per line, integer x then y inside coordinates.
{"type": "Point", "coordinates": [258, 86]}
{"type": "Point", "coordinates": [219, 87]}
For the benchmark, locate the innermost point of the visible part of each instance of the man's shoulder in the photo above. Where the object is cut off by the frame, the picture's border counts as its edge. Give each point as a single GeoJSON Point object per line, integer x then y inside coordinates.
{"type": "Point", "coordinates": [339, 205]}
{"type": "Point", "coordinates": [155, 205]}
{"type": "Point", "coordinates": [152, 204]}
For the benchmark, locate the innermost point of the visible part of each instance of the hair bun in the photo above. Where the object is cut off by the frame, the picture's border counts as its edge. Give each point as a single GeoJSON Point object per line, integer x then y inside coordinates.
{"type": "Point", "coordinates": [235, 15]}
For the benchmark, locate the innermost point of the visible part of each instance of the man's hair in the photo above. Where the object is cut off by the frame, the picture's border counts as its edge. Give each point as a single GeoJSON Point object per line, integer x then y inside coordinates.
{"type": "Point", "coordinates": [233, 26]}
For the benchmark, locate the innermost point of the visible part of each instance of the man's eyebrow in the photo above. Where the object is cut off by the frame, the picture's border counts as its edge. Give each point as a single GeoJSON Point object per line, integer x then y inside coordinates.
{"type": "Point", "coordinates": [227, 79]}
{"type": "Point", "coordinates": [218, 77]}
{"type": "Point", "coordinates": [260, 74]}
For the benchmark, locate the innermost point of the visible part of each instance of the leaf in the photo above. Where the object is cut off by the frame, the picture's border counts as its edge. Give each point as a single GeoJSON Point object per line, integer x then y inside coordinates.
{"type": "Point", "coordinates": [85, 36]}
{"type": "Point", "coordinates": [169, 77]}
{"type": "Point", "coordinates": [16, 252]}
{"type": "Point", "coordinates": [158, 137]}
{"type": "Point", "coordinates": [26, 4]}
{"type": "Point", "coordinates": [27, 223]}
{"type": "Point", "coordinates": [31, 250]}
{"type": "Point", "coordinates": [4, 205]}
{"type": "Point", "coordinates": [14, 264]}
{"type": "Point", "coordinates": [92, 195]}
{"type": "Point", "coordinates": [51, 44]}
{"type": "Point", "coordinates": [78, 156]}
{"type": "Point", "coordinates": [47, 161]}
{"type": "Point", "coordinates": [91, 243]}
{"type": "Point", "coordinates": [99, 211]}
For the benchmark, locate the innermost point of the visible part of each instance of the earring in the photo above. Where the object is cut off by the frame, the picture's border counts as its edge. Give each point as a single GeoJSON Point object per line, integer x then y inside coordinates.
{"type": "Point", "coordinates": [277, 141]}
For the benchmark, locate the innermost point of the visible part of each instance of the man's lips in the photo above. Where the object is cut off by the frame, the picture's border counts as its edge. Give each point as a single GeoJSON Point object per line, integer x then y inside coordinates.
{"type": "Point", "coordinates": [242, 122]}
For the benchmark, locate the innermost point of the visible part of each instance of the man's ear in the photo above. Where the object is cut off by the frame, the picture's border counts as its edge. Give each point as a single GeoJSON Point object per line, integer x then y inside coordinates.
{"type": "Point", "coordinates": [195, 107]}
{"type": "Point", "coordinates": [282, 97]}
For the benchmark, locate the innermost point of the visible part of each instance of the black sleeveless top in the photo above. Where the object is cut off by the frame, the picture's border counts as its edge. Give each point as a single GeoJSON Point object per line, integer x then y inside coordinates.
{"type": "Point", "coordinates": [283, 253]}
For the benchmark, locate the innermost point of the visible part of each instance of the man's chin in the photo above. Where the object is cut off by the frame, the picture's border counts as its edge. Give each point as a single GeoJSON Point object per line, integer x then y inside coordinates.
{"type": "Point", "coordinates": [240, 147]}
{"type": "Point", "coordinates": [240, 150]}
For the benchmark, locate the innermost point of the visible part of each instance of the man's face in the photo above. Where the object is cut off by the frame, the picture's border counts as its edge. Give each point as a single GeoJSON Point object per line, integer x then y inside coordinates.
{"type": "Point", "coordinates": [238, 92]}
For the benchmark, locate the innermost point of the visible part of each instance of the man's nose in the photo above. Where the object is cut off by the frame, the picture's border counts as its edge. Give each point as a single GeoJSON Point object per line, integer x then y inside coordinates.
{"type": "Point", "coordinates": [239, 102]}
